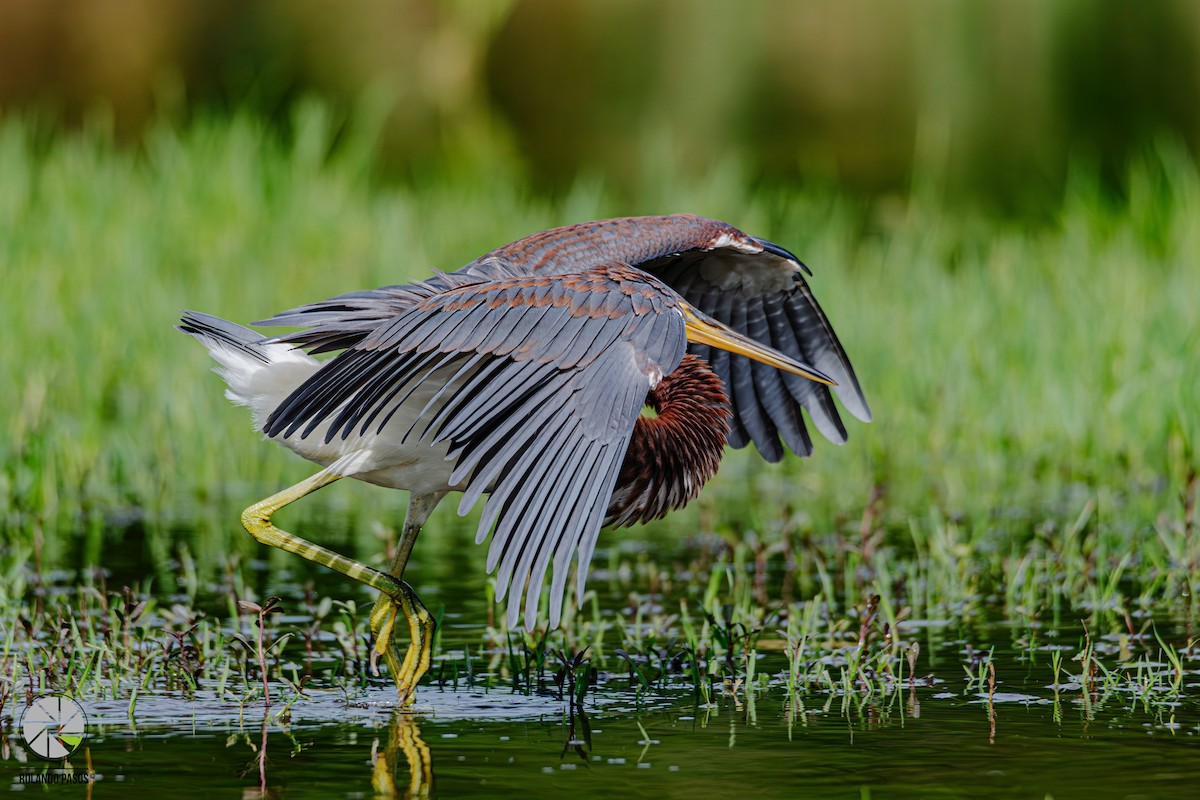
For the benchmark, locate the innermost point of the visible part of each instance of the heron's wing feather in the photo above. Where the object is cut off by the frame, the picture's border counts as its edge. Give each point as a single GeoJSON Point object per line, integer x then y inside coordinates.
{"type": "Point", "coordinates": [551, 463]}
{"type": "Point", "coordinates": [548, 379]}
{"type": "Point", "coordinates": [343, 321]}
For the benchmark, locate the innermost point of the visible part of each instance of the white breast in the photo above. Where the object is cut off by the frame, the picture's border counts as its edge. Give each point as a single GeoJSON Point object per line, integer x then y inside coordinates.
{"type": "Point", "coordinates": [399, 455]}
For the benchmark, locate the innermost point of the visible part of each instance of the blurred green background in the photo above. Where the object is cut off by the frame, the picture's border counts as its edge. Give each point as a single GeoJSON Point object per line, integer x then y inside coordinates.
{"type": "Point", "coordinates": [245, 157]}
{"type": "Point", "coordinates": [992, 100]}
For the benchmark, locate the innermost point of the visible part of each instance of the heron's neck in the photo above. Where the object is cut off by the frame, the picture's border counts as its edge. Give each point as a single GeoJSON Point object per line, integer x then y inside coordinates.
{"type": "Point", "coordinates": [672, 455]}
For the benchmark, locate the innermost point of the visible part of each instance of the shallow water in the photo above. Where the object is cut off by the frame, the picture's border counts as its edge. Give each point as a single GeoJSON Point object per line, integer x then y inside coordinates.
{"type": "Point", "coordinates": [925, 741]}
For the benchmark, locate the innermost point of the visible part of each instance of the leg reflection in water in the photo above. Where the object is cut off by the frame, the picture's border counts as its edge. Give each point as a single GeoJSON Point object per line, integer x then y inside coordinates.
{"type": "Point", "coordinates": [404, 745]}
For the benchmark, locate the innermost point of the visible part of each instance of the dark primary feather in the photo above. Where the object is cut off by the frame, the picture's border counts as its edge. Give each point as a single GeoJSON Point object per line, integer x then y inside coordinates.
{"type": "Point", "coordinates": [786, 317]}
{"type": "Point", "coordinates": [543, 417]}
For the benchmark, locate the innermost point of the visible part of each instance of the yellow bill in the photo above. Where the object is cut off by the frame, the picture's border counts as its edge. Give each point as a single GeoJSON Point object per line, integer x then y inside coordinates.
{"type": "Point", "coordinates": [703, 329]}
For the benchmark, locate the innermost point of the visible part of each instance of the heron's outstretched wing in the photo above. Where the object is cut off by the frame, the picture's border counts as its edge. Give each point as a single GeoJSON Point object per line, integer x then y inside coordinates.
{"type": "Point", "coordinates": [752, 285]}
{"type": "Point", "coordinates": [764, 296]}
{"type": "Point", "coordinates": [548, 379]}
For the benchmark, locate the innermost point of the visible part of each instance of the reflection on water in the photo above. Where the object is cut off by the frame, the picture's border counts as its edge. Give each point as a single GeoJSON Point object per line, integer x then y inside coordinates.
{"type": "Point", "coordinates": [405, 750]}
{"type": "Point", "coordinates": [401, 763]}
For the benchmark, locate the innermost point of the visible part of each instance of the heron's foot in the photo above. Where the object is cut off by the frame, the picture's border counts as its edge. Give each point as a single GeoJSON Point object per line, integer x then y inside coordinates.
{"type": "Point", "coordinates": [409, 666]}
{"type": "Point", "coordinates": [396, 655]}
{"type": "Point", "coordinates": [383, 622]}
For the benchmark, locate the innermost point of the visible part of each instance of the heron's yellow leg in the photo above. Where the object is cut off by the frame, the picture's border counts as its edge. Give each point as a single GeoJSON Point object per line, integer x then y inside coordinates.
{"type": "Point", "coordinates": [396, 595]}
{"type": "Point", "coordinates": [421, 624]}
{"type": "Point", "coordinates": [417, 657]}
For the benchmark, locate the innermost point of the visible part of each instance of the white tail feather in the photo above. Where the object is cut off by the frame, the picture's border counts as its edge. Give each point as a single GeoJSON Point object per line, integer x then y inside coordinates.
{"type": "Point", "coordinates": [259, 375]}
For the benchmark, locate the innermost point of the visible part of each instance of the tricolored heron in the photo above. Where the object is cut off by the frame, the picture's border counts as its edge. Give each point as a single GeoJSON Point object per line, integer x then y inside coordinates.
{"type": "Point", "coordinates": [522, 375]}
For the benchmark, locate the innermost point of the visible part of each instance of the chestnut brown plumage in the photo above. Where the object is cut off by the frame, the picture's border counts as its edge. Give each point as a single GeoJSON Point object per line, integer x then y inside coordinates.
{"type": "Point", "coordinates": [522, 376]}
{"type": "Point", "coordinates": [674, 453]}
